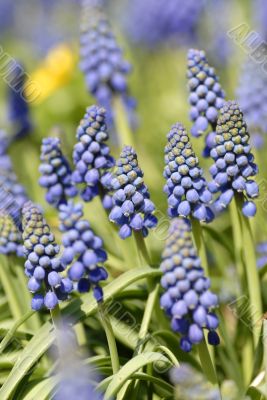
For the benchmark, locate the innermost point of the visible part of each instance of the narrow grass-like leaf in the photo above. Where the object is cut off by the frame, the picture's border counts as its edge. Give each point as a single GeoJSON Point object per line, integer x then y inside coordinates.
{"type": "Point", "coordinates": [127, 371]}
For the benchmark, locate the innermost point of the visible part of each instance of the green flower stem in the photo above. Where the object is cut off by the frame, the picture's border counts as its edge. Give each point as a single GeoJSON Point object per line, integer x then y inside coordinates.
{"type": "Point", "coordinates": [56, 317]}
{"type": "Point", "coordinates": [200, 244]}
{"type": "Point", "coordinates": [237, 235]}
{"type": "Point", "coordinates": [206, 362]}
{"type": "Point", "coordinates": [153, 289]}
{"type": "Point", "coordinates": [123, 130]}
{"type": "Point", "coordinates": [110, 338]}
{"type": "Point", "coordinates": [250, 268]}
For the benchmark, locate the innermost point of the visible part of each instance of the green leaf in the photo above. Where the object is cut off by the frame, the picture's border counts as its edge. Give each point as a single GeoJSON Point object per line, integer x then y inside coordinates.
{"type": "Point", "coordinates": [127, 371]}
{"type": "Point", "coordinates": [78, 309]}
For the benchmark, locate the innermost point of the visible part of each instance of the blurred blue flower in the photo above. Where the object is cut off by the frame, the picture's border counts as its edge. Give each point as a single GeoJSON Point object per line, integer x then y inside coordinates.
{"type": "Point", "coordinates": [42, 266]}
{"type": "Point", "coordinates": [190, 384]}
{"type": "Point", "coordinates": [18, 107]}
{"type": "Point", "coordinates": [83, 250]}
{"type": "Point", "coordinates": [75, 375]}
{"type": "Point", "coordinates": [12, 193]}
{"type": "Point", "coordinates": [186, 187]}
{"type": "Point", "coordinates": [262, 252]}
{"type": "Point", "coordinates": [187, 300]}
{"type": "Point", "coordinates": [206, 97]}
{"type": "Point", "coordinates": [155, 22]}
{"type": "Point", "coordinates": [252, 97]}
{"type": "Point", "coordinates": [132, 207]}
{"type": "Point", "coordinates": [102, 60]}
{"type": "Point", "coordinates": [56, 173]}
{"type": "Point", "coordinates": [233, 161]}
{"type": "Point", "coordinates": [91, 157]}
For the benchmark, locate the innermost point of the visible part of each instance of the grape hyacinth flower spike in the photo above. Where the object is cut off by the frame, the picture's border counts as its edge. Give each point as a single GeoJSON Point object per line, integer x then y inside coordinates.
{"type": "Point", "coordinates": [206, 97]}
{"type": "Point", "coordinates": [187, 300]}
{"type": "Point", "coordinates": [83, 250]}
{"type": "Point", "coordinates": [102, 60]}
{"type": "Point", "coordinates": [234, 166]}
{"type": "Point", "coordinates": [56, 173]}
{"type": "Point", "coordinates": [186, 187]}
{"type": "Point", "coordinates": [10, 236]}
{"type": "Point", "coordinates": [133, 210]}
{"type": "Point", "coordinates": [91, 157]}
{"type": "Point", "coordinates": [42, 266]}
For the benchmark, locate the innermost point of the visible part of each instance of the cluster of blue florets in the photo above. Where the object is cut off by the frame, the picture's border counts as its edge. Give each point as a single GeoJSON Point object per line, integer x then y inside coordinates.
{"type": "Point", "coordinates": [234, 166]}
{"type": "Point", "coordinates": [252, 97]}
{"type": "Point", "coordinates": [102, 60]}
{"type": "Point", "coordinates": [56, 173]}
{"type": "Point", "coordinates": [92, 158]}
{"type": "Point", "coordinates": [133, 209]}
{"type": "Point", "coordinates": [187, 300]}
{"type": "Point", "coordinates": [186, 187]}
{"type": "Point", "coordinates": [83, 250]}
{"type": "Point", "coordinates": [206, 96]}
{"type": "Point", "coordinates": [155, 22]}
{"type": "Point", "coordinates": [42, 266]}
{"type": "Point", "coordinates": [10, 236]}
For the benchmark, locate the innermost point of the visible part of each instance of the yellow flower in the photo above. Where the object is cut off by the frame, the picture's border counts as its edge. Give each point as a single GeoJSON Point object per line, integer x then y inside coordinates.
{"type": "Point", "coordinates": [56, 70]}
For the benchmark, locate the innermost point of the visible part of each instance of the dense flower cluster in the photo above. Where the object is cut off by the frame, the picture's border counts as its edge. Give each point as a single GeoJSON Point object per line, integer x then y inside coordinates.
{"type": "Point", "coordinates": [187, 299]}
{"type": "Point", "coordinates": [92, 158]}
{"type": "Point", "coordinates": [102, 59]}
{"type": "Point", "coordinates": [234, 166]}
{"type": "Point", "coordinates": [18, 106]}
{"type": "Point", "coordinates": [133, 209]}
{"type": "Point", "coordinates": [42, 266]}
{"type": "Point", "coordinates": [56, 173]}
{"type": "Point", "coordinates": [83, 250]}
{"type": "Point", "coordinates": [186, 187]}
{"type": "Point", "coordinates": [206, 96]}
{"type": "Point", "coordinates": [10, 237]}
{"type": "Point", "coordinates": [252, 97]}
{"type": "Point", "coordinates": [154, 22]}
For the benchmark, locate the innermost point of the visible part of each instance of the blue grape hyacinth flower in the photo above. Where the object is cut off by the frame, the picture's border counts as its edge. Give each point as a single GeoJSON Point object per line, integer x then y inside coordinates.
{"type": "Point", "coordinates": [43, 267]}
{"type": "Point", "coordinates": [152, 23]}
{"type": "Point", "coordinates": [102, 60]}
{"type": "Point", "coordinates": [18, 107]}
{"type": "Point", "coordinates": [132, 210]}
{"type": "Point", "coordinates": [206, 97]}
{"type": "Point", "coordinates": [83, 250]}
{"type": "Point", "coordinates": [91, 157]}
{"type": "Point", "coordinates": [251, 95]}
{"type": "Point", "coordinates": [56, 173]}
{"type": "Point", "coordinates": [185, 186]}
{"type": "Point", "coordinates": [234, 165]}
{"type": "Point", "coordinates": [187, 300]}
{"type": "Point", "coordinates": [10, 236]}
